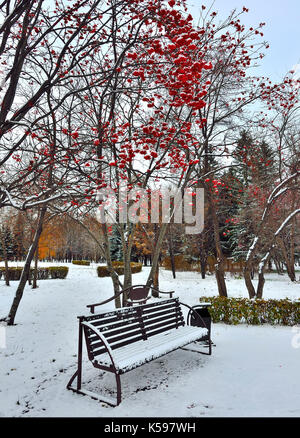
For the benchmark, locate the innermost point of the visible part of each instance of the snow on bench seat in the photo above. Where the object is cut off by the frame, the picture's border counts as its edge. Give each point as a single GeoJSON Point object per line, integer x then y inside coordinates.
{"type": "Point", "coordinates": [133, 355]}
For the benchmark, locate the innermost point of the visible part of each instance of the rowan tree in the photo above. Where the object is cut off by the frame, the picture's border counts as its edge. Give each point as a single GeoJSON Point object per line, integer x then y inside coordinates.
{"type": "Point", "coordinates": [127, 130]}
{"type": "Point", "coordinates": [232, 104]}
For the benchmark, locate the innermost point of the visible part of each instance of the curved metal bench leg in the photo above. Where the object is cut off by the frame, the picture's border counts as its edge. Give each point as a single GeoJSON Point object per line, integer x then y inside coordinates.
{"type": "Point", "coordinates": [112, 401]}
{"type": "Point", "coordinates": [109, 400]}
{"type": "Point", "coordinates": [71, 380]}
{"type": "Point", "coordinates": [119, 391]}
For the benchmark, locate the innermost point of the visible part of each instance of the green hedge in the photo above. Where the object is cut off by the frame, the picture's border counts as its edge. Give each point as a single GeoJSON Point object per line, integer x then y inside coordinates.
{"type": "Point", "coordinates": [14, 273]}
{"type": "Point", "coordinates": [81, 262]}
{"type": "Point", "coordinates": [102, 271]}
{"type": "Point", "coordinates": [52, 272]}
{"type": "Point", "coordinates": [244, 310]}
{"type": "Point", "coordinates": [58, 271]}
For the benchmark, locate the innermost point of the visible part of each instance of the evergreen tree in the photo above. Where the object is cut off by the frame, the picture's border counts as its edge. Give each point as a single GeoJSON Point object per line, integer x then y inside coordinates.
{"type": "Point", "coordinates": [254, 176]}
{"type": "Point", "coordinates": [7, 240]}
{"type": "Point", "coordinates": [263, 174]}
{"type": "Point", "coordinates": [116, 250]}
{"type": "Point", "coordinates": [242, 156]}
{"type": "Point", "coordinates": [240, 231]}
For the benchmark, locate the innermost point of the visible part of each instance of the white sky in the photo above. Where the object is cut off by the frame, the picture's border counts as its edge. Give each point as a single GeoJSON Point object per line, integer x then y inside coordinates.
{"type": "Point", "coordinates": [282, 30]}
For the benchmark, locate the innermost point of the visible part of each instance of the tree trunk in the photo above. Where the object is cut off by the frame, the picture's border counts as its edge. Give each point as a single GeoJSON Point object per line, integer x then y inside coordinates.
{"type": "Point", "coordinates": [290, 268]}
{"type": "Point", "coordinates": [249, 270]}
{"type": "Point", "coordinates": [156, 254]}
{"type": "Point", "coordinates": [2, 237]}
{"type": "Point", "coordinates": [261, 278]}
{"type": "Point", "coordinates": [292, 250]}
{"type": "Point", "coordinates": [156, 268]}
{"type": "Point", "coordinates": [156, 277]}
{"type": "Point", "coordinates": [248, 281]}
{"type": "Point", "coordinates": [203, 268]}
{"type": "Point", "coordinates": [260, 285]}
{"type": "Point", "coordinates": [220, 277]}
{"type": "Point", "coordinates": [261, 281]}
{"type": "Point", "coordinates": [278, 266]}
{"type": "Point", "coordinates": [203, 256]}
{"type": "Point", "coordinates": [171, 252]}
{"type": "Point", "coordinates": [219, 267]}
{"type": "Point", "coordinates": [113, 274]}
{"type": "Point", "coordinates": [25, 273]}
{"type": "Point", "coordinates": [35, 272]}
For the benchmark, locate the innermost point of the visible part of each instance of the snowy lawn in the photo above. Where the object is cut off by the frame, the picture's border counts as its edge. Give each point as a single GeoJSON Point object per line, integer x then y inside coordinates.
{"type": "Point", "coordinates": [253, 371]}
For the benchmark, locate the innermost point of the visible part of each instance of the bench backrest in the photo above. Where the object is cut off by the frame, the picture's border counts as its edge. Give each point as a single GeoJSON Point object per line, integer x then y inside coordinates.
{"type": "Point", "coordinates": [137, 292]}
{"type": "Point", "coordinates": [131, 324]}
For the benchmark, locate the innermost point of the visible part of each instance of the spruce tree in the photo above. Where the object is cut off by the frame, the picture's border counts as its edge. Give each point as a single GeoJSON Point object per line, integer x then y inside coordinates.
{"type": "Point", "coordinates": [116, 250]}
{"type": "Point", "coordinates": [254, 170]}
{"type": "Point", "coordinates": [10, 244]}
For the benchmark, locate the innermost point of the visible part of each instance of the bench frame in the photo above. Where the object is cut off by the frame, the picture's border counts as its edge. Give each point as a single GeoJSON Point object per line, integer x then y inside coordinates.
{"type": "Point", "coordinates": [136, 294]}
{"type": "Point", "coordinates": [84, 324]}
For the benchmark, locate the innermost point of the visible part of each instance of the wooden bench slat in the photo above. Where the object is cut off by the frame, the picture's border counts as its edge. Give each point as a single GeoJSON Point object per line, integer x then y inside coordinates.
{"type": "Point", "coordinates": [167, 308]}
{"type": "Point", "coordinates": [123, 318]}
{"type": "Point", "coordinates": [119, 328]}
{"type": "Point", "coordinates": [135, 324]}
{"type": "Point", "coordinates": [160, 330]}
{"type": "Point", "coordinates": [160, 317]}
{"type": "Point", "coordinates": [150, 329]}
{"type": "Point", "coordinates": [110, 325]}
{"type": "Point", "coordinates": [132, 340]}
{"type": "Point", "coordinates": [115, 328]}
{"type": "Point", "coordinates": [114, 320]}
{"type": "Point", "coordinates": [128, 340]}
{"type": "Point", "coordinates": [114, 339]}
{"type": "Point", "coordinates": [122, 312]}
{"type": "Point", "coordinates": [160, 322]}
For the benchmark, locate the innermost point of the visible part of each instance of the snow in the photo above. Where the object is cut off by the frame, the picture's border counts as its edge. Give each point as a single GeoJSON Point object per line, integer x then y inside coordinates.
{"type": "Point", "coordinates": [252, 248]}
{"type": "Point", "coordinates": [131, 356]}
{"type": "Point", "coordinates": [286, 221]}
{"type": "Point", "coordinates": [253, 370]}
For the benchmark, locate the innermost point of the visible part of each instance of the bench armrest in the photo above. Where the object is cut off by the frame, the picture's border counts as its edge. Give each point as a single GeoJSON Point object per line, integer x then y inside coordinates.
{"type": "Point", "coordinates": [193, 310]}
{"type": "Point", "coordinates": [92, 306]}
{"type": "Point", "coordinates": [102, 339]}
{"type": "Point", "coordinates": [171, 292]}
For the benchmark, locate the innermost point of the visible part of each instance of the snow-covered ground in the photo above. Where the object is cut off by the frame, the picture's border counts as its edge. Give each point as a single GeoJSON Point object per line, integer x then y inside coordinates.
{"type": "Point", "coordinates": [253, 371]}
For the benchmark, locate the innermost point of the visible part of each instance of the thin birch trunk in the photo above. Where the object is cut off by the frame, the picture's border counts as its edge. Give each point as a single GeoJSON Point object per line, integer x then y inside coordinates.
{"type": "Point", "coordinates": [290, 268]}
{"type": "Point", "coordinates": [35, 272]}
{"type": "Point", "coordinates": [26, 269]}
{"type": "Point", "coordinates": [2, 237]}
{"type": "Point", "coordinates": [171, 251]}
{"type": "Point", "coordinates": [156, 254]}
{"type": "Point", "coordinates": [219, 267]}
{"type": "Point", "coordinates": [112, 272]}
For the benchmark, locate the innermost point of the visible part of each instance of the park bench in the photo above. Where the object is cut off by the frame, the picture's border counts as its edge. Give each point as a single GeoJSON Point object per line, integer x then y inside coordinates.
{"type": "Point", "coordinates": [137, 294]}
{"type": "Point", "coordinates": [123, 339]}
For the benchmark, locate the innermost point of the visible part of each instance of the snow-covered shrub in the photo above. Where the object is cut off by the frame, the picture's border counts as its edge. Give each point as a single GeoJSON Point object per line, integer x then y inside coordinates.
{"type": "Point", "coordinates": [43, 273]}
{"type": "Point", "coordinates": [102, 271]}
{"type": "Point", "coordinates": [58, 271]}
{"type": "Point", "coordinates": [13, 272]}
{"type": "Point", "coordinates": [244, 310]}
{"type": "Point", "coordinates": [81, 262]}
